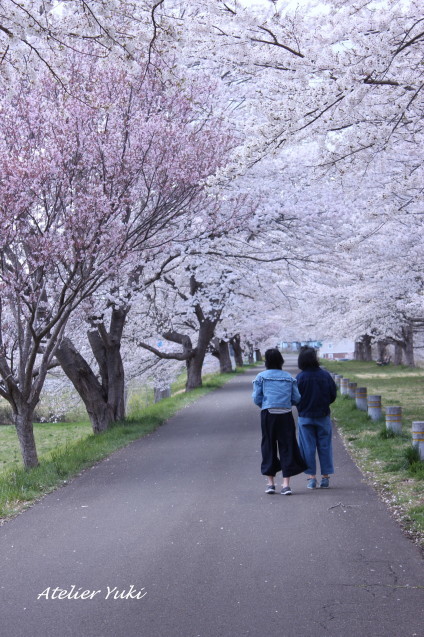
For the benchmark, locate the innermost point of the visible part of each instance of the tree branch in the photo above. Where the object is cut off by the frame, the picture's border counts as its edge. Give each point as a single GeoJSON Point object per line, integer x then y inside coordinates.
{"type": "Point", "coordinates": [169, 356]}
{"type": "Point", "coordinates": [155, 31]}
{"type": "Point", "coordinates": [176, 337]}
{"type": "Point", "coordinates": [275, 42]}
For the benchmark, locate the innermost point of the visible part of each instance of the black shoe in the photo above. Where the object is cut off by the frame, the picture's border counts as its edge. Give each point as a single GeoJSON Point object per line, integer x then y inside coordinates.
{"type": "Point", "coordinates": [286, 491]}
{"type": "Point", "coordinates": [270, 488]}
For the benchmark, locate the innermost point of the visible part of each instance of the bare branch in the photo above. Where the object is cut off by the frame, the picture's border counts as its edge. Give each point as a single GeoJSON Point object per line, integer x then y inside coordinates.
{"type": "Point", "coordinates": [370, 80]}
{"type": "Point", "coordinates": [155, 30]}
{"type": "Point", "coordinates": [230, 9]}
{"type": "Point", "coordinates": [178, 356]}
{"type": "Point", "coordinates": [410, 42]}
{"type": "Point", "coordinates": [275, 42]}
{"type": "Point", "coordinates": [406, 107]}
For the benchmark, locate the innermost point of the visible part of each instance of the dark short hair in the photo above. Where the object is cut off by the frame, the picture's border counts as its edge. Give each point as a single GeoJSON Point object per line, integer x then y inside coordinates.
{"type": "Point", "coordinates": [273, 359]}
{"type": "Point", "coordinates": [307, 358]}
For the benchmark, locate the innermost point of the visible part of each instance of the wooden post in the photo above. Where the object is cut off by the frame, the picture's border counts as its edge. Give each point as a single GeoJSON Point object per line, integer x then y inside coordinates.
{"type": "Point", "coordinates": [394, 419]}
{"type": "Point", "coordinates": [337, 379]}
{"type": "Point", "coordinates": [344, 386]}
{"type": "Point", "coordinates": [374, 407]}
{"type": "Point", "coordinates": [352, 390]}
{"type": "Point", "coordinates": [361, 398]}
{"type": "Point", "coordinates": [161, 393]}
{"type": "Point", "coordinates": [418, 437]}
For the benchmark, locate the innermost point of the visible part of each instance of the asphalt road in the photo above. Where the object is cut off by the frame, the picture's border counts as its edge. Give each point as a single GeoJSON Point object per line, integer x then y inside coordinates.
{"type": "Point", "coordinates": [182, 517]}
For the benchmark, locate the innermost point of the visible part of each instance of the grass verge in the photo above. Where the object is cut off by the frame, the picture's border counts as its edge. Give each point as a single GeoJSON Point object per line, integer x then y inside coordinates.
{"type": "Point", "coordinates": [388, 460]}
{"type": "Point", "coordinates": [19, 487]}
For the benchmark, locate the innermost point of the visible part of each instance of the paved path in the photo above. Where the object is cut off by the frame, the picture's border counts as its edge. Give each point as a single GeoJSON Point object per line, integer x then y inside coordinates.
{"type": "Point", "coordinates": [183, 515]}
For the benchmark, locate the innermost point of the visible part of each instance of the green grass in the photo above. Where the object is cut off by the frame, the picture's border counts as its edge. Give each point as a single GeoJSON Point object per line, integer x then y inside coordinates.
{"type": "Point", "coordinates": [48, 436]}
{"type": "Point", "coordinates": [67, 448]}
{"type": "Point", "coordinates": [388, 460]}
{"type": "Point", "coordinates": [398, 385]}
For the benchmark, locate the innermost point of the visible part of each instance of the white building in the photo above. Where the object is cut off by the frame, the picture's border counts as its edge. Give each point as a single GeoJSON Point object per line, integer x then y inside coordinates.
{"type": "Point", "coordinates": [337, 349]}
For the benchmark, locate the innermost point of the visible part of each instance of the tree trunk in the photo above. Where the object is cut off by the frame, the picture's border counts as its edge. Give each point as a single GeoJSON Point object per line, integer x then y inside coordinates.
{"type": "Point", "coordinates": [105, 401]}
{"type": "Point", "coordinates": [225, 366]}
{"type": "Point", "coordinates": [367, 348]}
{"type": "Point", "coordinates": [116, 382]}
{"type": "Point", "coordinates": [195, 362]}
{"type": "Point", "coordinates": [194, 372]}
{"type": "Point", "coordinates": [398, 354]}
{"type": "Point", "coordinates": [101, 415]}
{"type": "Point", "coordinates": [381, 351]}
{"type": "Point", "coordinates": [408, 346]}
{"type": "Point", "coordinates": [23, 420]}
{"type": "Point", "coordinates": [359, 351]}
{"type": "Point", "coordinates": [111, 373]}
{"type": "Point", "coordinates": [86, 384]}
{"type": "Point", "coordinates": [251, 358]}
{"type": "Point", "coordinates": [238, 353]}
{"type": "Point", "coordinates": [258, 355]}
{"type": "Point", "coordinates": [220, 349]}
{"type": "Point", "coordinates": [106, 347]}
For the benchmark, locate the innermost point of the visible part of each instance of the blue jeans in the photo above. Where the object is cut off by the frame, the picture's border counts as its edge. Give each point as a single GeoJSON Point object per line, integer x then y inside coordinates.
{"type": "Point", "coordinates": [315, 435]}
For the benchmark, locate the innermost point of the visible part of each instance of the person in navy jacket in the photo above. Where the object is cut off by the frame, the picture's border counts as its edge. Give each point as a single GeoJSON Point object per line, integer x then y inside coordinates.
{"type": "Point", "coordinates": [275, 391]}
{"type": "Point", "coordinates": [318, 390]}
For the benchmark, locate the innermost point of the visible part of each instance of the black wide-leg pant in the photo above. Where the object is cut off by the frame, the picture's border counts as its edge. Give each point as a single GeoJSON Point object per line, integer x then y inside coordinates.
{"type": "Point", "coordinates": [279, 433]}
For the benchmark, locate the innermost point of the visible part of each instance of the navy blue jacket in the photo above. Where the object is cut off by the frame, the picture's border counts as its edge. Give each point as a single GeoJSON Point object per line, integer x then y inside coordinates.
{"type": "Point", "coordinates": [318, 390]}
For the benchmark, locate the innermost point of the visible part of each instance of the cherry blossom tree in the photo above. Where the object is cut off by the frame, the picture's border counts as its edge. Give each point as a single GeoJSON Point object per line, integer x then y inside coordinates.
{"type": "Point", "coordinates": [102, 384]}
{"type": "Point", "coordinates": [326, 105]}
{"type": "Point", "coordinates": [369, 287]}
{"type": "Point", "coordinates": [226, 286]}
{"type": "Point", "coordinates": [57, 246]}
{"type": "Point", "coordinates": [39, 35]}
{"type": "Point", "coordinates": [197, 296]}
{"type": "Point", "coordinates": [341, 86]}
{"type": "Point", "coordinates": [93, 182]}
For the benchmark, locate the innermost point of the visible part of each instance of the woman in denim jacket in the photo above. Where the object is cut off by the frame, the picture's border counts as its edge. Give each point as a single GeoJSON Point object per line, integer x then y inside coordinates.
{"type": "Point", "coordinates": [275, 391]}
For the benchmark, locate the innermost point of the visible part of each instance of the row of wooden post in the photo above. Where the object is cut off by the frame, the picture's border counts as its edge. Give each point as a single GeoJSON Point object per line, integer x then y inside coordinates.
{"type": "Point", "coordinates": [372, 405]}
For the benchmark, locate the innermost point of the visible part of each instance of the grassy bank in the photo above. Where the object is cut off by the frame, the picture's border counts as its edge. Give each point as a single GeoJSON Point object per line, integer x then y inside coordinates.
{"type": "Point", "coordinates": [388, 461]}
{"type": "Point", "coordinates": [66, 449]}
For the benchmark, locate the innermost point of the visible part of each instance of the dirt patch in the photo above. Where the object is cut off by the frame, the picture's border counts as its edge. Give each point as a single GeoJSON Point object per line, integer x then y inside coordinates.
{"type": "Point", "coordinates": [389, 377]}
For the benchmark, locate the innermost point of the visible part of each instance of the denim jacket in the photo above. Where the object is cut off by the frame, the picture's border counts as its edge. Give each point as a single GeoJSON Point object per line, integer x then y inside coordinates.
{"type": "Point", "coordinates": [274, 388]}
